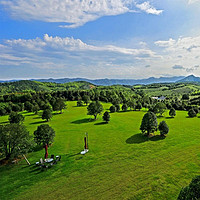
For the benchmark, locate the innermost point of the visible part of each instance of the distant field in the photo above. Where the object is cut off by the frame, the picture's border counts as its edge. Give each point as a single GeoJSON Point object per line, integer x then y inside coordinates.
{"type": "Point", "coordinates": [121, 163]}
{"type": "Point", "coordinates": [168, 91]}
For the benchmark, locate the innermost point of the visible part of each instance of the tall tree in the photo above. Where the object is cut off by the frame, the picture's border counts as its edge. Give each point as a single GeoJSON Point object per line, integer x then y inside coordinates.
{"type": "Point", "coordinates": [15, 117]}
{"type": "Point", "coordinates": [163, 128]}
{"type": "Point", "coordinates": [59, 105]}
{"type": "Point", "coordinates": [149, 123]}
{"type": "Point", "coordinates": [46, 115]}
{"type": "Point", "coordinates": [94, 109]}
{"type": "Point", "coordinates": [14, 140]}
{"type": "Point", "coordinates": [172, 112]}
{"type": "Point", "coordinates": [44, 135]}
{"type": "Point", "coordinates": [86, 99]}
{"type": "Point", "coordinates": [106, 116]}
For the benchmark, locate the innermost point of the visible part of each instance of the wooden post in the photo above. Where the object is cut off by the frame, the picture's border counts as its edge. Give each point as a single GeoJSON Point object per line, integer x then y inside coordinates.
{"type": "Point", "coordinates": [25, 158]}
{"type": "Point", "coordinates": [87, 139]}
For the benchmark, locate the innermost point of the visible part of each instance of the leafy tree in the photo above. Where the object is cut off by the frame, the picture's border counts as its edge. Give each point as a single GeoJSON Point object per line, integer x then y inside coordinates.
{"type": "Point", "coordinates": [192, 113]}
{"type": "Point", "coordinates": [149, 123]}
{"type": "Point", "coordinates": [172, 112]}
{"type": "Point", "coordinates": [28, 106]}
{"type": "Point", "coordinates": [117, 106]}
{"type": "Point", "coordinates": [163, 128]}
{"type": "Point", "coordinates": [131, 104]}
{"type": "Point", "coordinates": [15, 117]}
{"type": "Point", "coordinates": [159, 108]}
{"type": "Point", "coordinates": [46, 115]}
{"type": "Point", "coordinates": [124, 107]}
{"type": "Point", "coordinates": [79, 103]}
{"type": "Point", "coordinates": [36, 108]}
{"type": "Point", "coordinates": [44, 135]}
{"type": "Point", "coordinates": [59, 105]}
{"type": "Point", "coordinates": [196, 109]}
{"type": "Point", "coordinates": [94, 109]}
{"type": "Point", "coordinates": [16, 108]}
{"type": "Point", "coordinates": [14, 140]}
{"type": "Point", "coordinates": [2, 111]}
{"type": "Point", "coordinates": [185, 97]}
{"type": "Point", "coordinates": [192, 191]}
{"type": "Point", "coordinates": [139, 106]}
{"type": "Point", "coordinates": [86, 99]}
{"type": "Point", "coordinates": [47, 106]}
{"type": "Point", "coordinates": [106, 116]}
{"type": "Point", "coordinates": [112, 109]}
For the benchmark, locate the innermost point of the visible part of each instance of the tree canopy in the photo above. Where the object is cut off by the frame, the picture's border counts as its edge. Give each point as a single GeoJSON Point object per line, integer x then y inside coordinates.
{"type": "Point", "coordinates": [47, 115]}
{"type": "Point", "coordinates": [106, 116]}
{"type": "Point", "coordinates": [15, 117]}
{"type": "Point", "coordinates": [14, 140]}
{"type": "Point", "coordinates": [192, 191]}
{"type": "Point", "coordinates": [149, 123]}
{"type": "Point", "coordinates": [163, 128]}
{"type": "Point", "coordinates": [95, 108]}
{"type": "Point", "coordinates": [44, 134]}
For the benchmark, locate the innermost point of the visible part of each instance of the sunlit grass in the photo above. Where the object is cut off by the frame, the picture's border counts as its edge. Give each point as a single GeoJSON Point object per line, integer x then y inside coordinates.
{"type": "Point", "coordinates": [121, 163]}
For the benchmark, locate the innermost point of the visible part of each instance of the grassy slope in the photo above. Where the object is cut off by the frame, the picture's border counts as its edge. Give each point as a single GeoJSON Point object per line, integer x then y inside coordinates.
{"type": "Point", "coordinates": [121, 164]}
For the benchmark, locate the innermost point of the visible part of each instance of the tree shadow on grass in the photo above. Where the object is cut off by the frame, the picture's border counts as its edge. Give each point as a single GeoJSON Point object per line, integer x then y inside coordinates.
{"type": "Point", "coordinates": [139, 138]}
{"type": "Point", "coordinates": [169, 117]}
{"type": "Point", "coordinates": [157, 138]}
{"type": "Point", "coordinates": [160, 116]}
{"type": "Point", "coordinates": [40, 122]}
{"type": "Point", "coordinates": [72, 155]}
{"type": "Point", "coordinates": [4, 122]}
{"type": "Point", "coordinates": [57, 113]}
{"type": "Point", "coordinates": [37, 118]}
{"type": "Point", "coordinates": [30, 115]}
{"type": "Point", "coordinates": [101, 123]}
{"type": "Point", "coordinates": [81, 121]}
{"type": "Point", "coordinates": [37, 148]}
{"type": "Point", "coordinates": [36, 169]}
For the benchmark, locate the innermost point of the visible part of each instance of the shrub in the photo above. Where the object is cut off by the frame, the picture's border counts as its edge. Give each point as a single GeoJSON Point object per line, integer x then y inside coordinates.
{"type": "Point", "coordinates": [163, 128]}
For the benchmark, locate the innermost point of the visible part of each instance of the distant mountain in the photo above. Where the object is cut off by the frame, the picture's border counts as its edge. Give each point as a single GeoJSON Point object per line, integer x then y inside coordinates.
{"type": "Point", "coordinates": [108, 82]}
{"type": "Point", "coordinates": [190, 78]}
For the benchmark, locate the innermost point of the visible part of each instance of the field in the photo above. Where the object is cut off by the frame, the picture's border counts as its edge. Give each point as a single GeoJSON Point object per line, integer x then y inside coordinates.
{"type": "Point", "coordinates": [121, 163]}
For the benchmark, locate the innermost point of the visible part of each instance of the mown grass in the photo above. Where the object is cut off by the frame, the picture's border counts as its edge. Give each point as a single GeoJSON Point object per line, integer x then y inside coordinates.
{"type": "Point", "coordinates": [121, 163]}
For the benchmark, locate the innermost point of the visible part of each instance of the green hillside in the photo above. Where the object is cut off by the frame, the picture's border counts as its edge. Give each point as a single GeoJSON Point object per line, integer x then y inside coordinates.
{"type": "Point", "coordinates": [34, 86]}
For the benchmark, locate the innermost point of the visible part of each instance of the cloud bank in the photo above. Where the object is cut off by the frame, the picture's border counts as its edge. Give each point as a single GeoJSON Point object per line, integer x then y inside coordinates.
{"type": "Point", "coordinates": [70, 57]}
{"type": "Point", "coordinates": [73, 12]}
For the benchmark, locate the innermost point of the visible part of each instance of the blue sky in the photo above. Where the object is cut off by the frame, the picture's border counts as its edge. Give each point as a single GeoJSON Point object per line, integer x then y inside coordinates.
{"type": "Point", "coordinates": [99, 39]}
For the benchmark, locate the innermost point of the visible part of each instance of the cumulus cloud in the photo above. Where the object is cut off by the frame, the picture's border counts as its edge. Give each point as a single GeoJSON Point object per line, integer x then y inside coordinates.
{"type": "Point", "coordinates": [58, 44]}
{"type": "Point", "coordinates": [149, 8]}
{"type": "Point", "coordinates": [73, 12]}
{"type": "Point", "coordinates": [69, 57]}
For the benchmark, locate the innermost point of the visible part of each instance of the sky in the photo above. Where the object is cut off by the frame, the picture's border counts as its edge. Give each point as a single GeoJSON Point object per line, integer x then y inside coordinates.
{"type": "Point", "coordinates": [121, 39]}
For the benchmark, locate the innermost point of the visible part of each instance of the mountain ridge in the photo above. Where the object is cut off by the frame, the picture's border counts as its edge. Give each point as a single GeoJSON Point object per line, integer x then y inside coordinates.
{"type": "Point", "coordinates": [109, 82]}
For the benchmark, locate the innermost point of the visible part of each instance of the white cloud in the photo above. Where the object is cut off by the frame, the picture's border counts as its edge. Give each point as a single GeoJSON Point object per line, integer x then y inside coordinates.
{"type": "Point", "coordinates": [58, 44]}
{"type": "Point", "coordinates": [193, 1]}
{"type": "Point", "coordinates": [59, 56]}
{"type": "Point", "coordinates": [149, 8]}
{"type": "Point", "coordinates": [183, 54]}
{"type": "Point", "coordinates": [73, 12]}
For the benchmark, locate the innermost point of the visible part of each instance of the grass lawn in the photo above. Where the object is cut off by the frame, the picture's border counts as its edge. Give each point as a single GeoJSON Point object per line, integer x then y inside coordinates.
{"type": "Point", "coordinates": [121, 163]}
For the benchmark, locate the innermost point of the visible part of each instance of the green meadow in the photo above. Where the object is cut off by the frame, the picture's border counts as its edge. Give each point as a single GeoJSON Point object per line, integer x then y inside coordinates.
{"type": "Point", "coordinates": [120, 164]}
